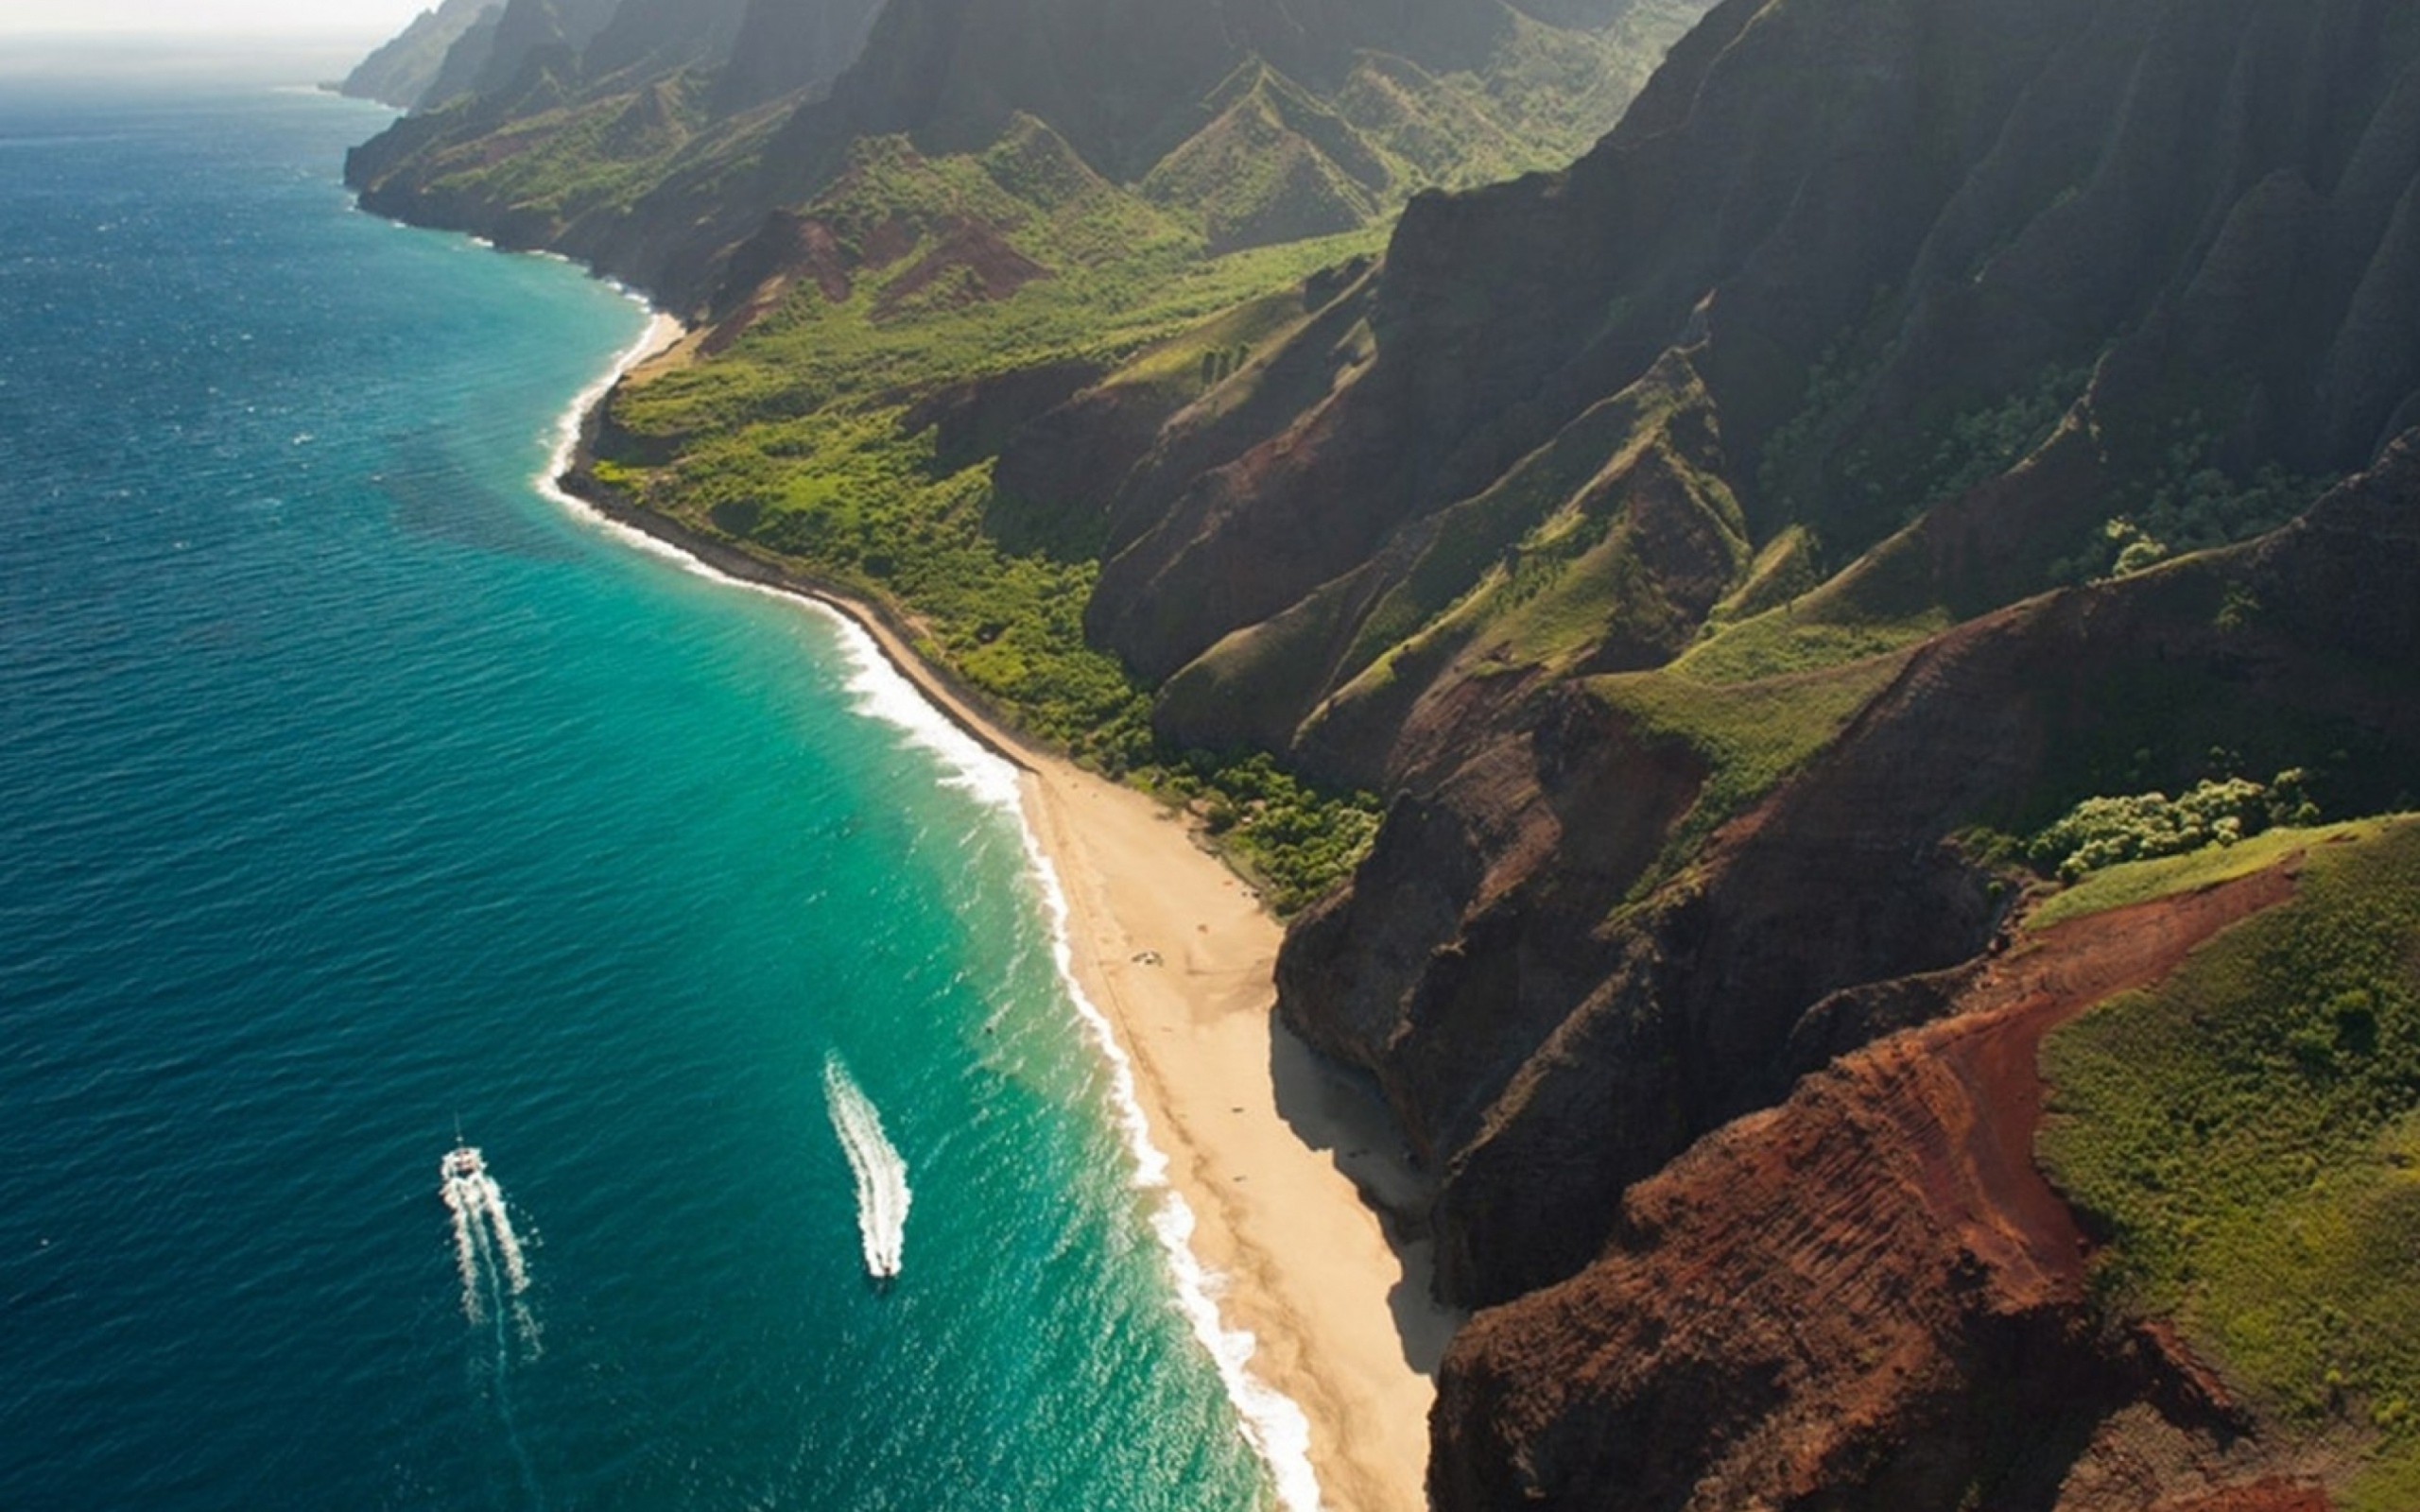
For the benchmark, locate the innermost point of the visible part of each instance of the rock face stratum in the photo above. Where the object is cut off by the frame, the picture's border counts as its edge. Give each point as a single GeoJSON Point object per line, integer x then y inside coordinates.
{"type": "Point", "coordinates": [1868, 1293]}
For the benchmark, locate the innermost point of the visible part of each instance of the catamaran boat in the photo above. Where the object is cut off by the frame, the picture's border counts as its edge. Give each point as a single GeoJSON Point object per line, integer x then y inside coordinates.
{"type": "Point", "coordinates": [462, 1163]}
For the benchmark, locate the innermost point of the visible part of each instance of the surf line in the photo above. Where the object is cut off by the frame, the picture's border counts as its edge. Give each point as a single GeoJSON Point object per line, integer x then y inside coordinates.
{"type": "Point", "coordinates": [661, 333]}
{"type": "Point", "coordinates": [881, 1173]}
{"type": "Point", "coordinates": [1273, 1423]}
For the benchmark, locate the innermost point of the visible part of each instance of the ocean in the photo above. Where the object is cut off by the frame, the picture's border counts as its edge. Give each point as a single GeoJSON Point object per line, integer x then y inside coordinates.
{"type": "Point", "coordinates": [357, 798]}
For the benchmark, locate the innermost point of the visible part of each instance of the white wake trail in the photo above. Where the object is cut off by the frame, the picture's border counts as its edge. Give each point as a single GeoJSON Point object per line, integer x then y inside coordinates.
{"type": "Point", "coordinates": [459, 1199]}
{"type": "Point", "coordinates": [486, 1251]}
{"type": "Point", "coordinates": [508, 1244]}
{"type": "Point", "coordinates": [881, 1173]}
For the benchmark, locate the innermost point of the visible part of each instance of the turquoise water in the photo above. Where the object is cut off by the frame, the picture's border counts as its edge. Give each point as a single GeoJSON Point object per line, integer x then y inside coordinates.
{"type": "Point", "coordinates": [351, 792]}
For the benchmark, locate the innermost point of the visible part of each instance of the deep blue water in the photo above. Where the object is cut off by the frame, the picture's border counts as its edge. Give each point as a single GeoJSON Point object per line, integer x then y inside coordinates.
{"type": "Point", "coordinates": [350, 789]}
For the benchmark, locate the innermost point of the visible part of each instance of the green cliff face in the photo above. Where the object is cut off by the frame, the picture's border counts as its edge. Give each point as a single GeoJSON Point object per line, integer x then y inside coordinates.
{"type": "Point", "coordinates": [2081, 243]}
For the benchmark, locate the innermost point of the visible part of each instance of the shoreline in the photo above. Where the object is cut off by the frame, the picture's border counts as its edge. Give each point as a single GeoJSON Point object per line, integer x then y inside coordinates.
{"type": "Point", "coordinates": [1271, 1159]}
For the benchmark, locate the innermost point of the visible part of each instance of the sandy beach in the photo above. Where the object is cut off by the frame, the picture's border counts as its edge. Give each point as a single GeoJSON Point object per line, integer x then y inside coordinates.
{"type": "Point", "coordinates": [1178, 953]}
{"type": "Point", "coordinates": [1269, 1149]}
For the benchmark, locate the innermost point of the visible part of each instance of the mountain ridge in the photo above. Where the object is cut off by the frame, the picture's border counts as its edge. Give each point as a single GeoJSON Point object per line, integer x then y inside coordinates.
{"type": "Point", "coordinates": [1493, 413]}
{"type": "Point", "coordinates": [775, 92]}
{"type": "Point", "coordinates": [403, 71]}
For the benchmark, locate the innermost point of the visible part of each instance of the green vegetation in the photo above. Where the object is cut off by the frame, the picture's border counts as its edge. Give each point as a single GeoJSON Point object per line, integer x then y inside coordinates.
{"type": "Point", "coordinates": [2167, 493]}
{"type": "Point", "coordinates": [1822, 467]}
{"type": "Point", "coordinates": [2102, 831]}
{"type": "Point", "coordinates": [1980, 444]}
{"type": "Point", "coordinates": [1781, 569]}
{"type": "Point", "coordinates": [1781, 642]}
{"type": "Point", "coordinates": [1826, 474]}
{"type": "Point", "coordinates": [843, 416]}
{"type": "Point", "coordinates": [584, 157]}
{"type": "Point", "coordinates": [1749, 735]}
{"type": "Point", "coordinates": [1544, 564]}
{"type": "Point", "coordinates": [2248, 1135]}
{"type": "Point", "coordinates": [1596, 550]}
{"type": "Point", "coordinates": [1274, 165]}
{"type": "Point", "coordinates": [2135, 882]}
{"type": "Point", "coordinates": [2179, 500]}
{"type": "Point", "coordinates": [1782, 622]}
{"type": "Point", "coordinates": [1296, 839]}
{"type": "Point", "coordinates": [1790, 476]}
{"type": "Point", "coordinates": [794, 440]}
{"type": "Point", "coordinates": [1790, 616]}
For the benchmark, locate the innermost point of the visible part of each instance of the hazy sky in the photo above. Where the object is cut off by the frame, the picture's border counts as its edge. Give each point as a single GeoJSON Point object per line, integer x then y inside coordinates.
{"type": "Point", "coordinates": [373, 19]}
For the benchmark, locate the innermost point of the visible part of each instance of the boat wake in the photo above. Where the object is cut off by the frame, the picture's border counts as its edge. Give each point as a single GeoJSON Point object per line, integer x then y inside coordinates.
{"type": "Point", "coordinates": [496, 1275]}
{"type": "Point", "coordinates": [487, 1252]}
{"type": "Point", "coordinates": [881, 1175]}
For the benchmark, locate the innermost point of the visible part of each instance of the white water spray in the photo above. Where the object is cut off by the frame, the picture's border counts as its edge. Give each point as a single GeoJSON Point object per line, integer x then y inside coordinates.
{"type": "Point", "coordinates": [881, 1175]}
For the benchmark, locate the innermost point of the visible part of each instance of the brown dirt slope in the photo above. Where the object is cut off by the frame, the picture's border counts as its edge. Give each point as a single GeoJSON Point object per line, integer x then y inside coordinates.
{"type": "Point", "coordinates": [1868, 1296]}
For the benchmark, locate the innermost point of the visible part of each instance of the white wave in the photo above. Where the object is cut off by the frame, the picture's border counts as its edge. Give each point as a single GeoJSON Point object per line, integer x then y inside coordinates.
{"type": "Point", "coordinates": [881, 1173]}
{"type": "Point", "coordinates": [880, 692]}
{"type": "Point", "coordinates": [525, 1323]}
{"type": "Point", "coordinates": [1273, 1423]}
{"type": "Point", "coordinates": [877, 689]}
{"type": "Point", "coordinates": [661, 331]}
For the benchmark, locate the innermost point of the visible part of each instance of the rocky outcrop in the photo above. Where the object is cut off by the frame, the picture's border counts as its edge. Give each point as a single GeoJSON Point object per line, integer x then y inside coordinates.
{"type": "Point", "coordinates": [535, 35]}
{"type": "Point", "coordinates": [783, 46]}
{"type": "Point", "coordinates": [1867, 1297]}
{"type": "Point", "coordinates": [1559, 972]}
{"type": "Point", "coordinates": [650, 40]}
{"type": "Point", "coordinates": [970, 420]}
{"type": "Point", "coordinates": [661, 212]}
{"type": "Point", "coordinates": [1683, 979]}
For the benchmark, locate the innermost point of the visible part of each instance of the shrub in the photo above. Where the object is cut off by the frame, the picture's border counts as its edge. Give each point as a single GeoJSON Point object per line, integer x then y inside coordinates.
{"type": "Point", "coordinates": [2102, 831]}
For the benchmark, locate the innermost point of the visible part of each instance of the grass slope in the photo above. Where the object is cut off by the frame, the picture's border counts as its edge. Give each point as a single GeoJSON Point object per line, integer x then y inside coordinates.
{"type": "Point", "coordinates": [1749, 735]}
{"type": "Point", "coordinates": [795, 438]}
{"type": "Point", "coordinates": [2248, 1135]}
